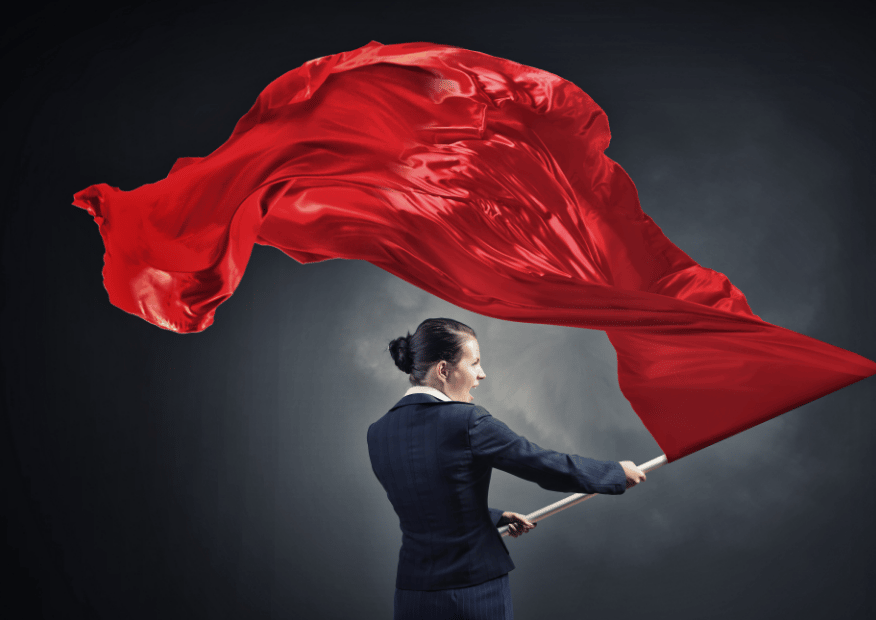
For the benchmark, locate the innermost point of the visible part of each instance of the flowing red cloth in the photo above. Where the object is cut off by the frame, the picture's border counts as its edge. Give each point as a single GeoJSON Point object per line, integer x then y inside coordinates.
{"type": "Point", "coordinates": [484, 182]}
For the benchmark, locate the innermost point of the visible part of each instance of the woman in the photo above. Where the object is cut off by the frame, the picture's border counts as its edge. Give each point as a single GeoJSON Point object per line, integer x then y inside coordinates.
{"type": "Point", "coordinates": [434, 452]}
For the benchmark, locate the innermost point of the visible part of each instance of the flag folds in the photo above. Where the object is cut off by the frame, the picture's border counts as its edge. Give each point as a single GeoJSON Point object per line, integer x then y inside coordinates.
{"type": "Point", "coordinates": [485, 183]}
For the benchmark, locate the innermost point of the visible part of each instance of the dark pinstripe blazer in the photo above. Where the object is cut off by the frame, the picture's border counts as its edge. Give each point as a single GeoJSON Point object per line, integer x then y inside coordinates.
{"type": "Point", "coordinates": [435, 459]}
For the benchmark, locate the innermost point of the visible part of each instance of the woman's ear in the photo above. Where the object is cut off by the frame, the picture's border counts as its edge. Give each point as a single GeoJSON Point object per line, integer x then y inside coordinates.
{"type": "Point", "coordinates": [441, 370]}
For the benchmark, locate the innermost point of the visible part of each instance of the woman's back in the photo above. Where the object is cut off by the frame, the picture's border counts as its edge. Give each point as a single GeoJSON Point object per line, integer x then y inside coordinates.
{"type": "Point", "coordinates": [421, 453]}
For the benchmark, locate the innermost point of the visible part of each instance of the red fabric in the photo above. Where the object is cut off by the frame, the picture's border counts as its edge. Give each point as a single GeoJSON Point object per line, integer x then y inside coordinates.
{"type": "Point", "coordinates": [483, 182]}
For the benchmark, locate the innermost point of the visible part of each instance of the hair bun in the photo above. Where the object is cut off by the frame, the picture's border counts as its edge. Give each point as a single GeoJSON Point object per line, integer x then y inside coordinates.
{"type": "Point", "coordinates": [400, 350]}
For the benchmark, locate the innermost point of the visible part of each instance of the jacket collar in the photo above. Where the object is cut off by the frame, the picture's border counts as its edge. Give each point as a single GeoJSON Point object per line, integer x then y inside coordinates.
{"type": "Point", "coordinates": [420, 395]}
{"type": "Point", "coordinates": [425, 389]}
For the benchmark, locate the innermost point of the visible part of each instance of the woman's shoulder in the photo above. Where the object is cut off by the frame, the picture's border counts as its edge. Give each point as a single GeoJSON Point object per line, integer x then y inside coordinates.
{"type": "Point", "coordinates": [471, 411]}
{"type": "Point", "coordinates": [458, 409]}
{"type": "Point", "coordinates": [470, 407]}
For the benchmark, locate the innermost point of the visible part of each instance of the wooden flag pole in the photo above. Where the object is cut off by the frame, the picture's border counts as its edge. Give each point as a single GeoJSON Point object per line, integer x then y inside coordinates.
{"type": "Point", "coordinates": [578, 497]}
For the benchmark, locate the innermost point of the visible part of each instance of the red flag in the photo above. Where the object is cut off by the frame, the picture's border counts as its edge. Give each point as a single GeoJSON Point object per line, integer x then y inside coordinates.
{"type": "Point", "coordinates": [484, 182]}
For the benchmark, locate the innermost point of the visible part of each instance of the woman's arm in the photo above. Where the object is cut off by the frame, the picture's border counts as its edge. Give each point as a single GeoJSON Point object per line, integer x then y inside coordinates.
{"type": "Point", "coordinates": [504, 449]}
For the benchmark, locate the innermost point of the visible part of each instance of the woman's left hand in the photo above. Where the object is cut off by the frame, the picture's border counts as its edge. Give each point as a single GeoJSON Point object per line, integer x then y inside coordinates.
{"type": "Point", "coordinates": [517, 523]}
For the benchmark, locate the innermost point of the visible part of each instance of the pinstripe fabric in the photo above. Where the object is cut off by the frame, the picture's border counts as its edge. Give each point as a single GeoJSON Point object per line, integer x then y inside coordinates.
{"type": "Point", "coordinates": [435, 460]}
{"type": "Point", "coordinates": [490, 600]}
{"type": "Point", "coordinates": [421, 454]}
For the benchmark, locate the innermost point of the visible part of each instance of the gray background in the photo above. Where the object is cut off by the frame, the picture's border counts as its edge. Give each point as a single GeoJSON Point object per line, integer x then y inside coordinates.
{"type": "Point", "coordinates": [225, 474]}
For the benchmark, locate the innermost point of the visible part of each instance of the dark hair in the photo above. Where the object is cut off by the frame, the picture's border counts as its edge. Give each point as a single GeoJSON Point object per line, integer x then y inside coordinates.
{"type": "Point", "coordinates": [434, 340]}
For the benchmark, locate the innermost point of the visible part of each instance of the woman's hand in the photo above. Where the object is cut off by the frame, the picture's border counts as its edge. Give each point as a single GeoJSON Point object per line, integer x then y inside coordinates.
{"type": "Point", "coordinates": [517, 523]}
{"type": "Point", "coordinates": [633, 473]}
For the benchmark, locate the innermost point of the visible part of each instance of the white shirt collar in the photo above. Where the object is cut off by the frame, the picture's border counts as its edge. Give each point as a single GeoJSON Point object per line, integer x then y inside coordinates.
{"type": "Point", "coordinates": [425, 389]}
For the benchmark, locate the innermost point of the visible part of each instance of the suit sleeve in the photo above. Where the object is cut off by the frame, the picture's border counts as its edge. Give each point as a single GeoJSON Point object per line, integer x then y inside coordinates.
{"type": "Point", "coordinates": [504, 449]}
{"type": "Point", "coordinates": [496, 515]}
